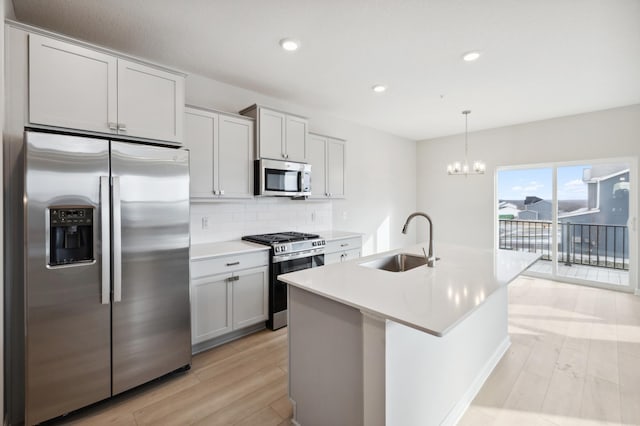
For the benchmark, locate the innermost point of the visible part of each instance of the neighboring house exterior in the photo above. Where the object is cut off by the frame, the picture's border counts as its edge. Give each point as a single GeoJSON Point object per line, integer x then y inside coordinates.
{"type": "Point", "coordinates": [536, 209]}
{"type": "Point", "coordinates": [507, 210]}
{"type": "Point", "coordinates": [607, 198]}
{"type": "Point", "coordinates": [607, 204]}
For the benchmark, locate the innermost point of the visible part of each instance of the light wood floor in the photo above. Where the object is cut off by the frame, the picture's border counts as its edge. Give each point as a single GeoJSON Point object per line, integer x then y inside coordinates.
{"type": "Point", "coordinates": [574, 360]}
{"type": "Point", "coordinates": [240, 383]}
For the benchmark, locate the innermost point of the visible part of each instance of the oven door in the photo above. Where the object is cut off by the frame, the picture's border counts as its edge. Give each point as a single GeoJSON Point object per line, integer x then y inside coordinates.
{"type": "Point", "coordinates": [278, 289]}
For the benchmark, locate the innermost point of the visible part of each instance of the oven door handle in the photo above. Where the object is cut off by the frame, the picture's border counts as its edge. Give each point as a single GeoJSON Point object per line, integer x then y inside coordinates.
{"type": "Point", "coordinates": [299, 255]}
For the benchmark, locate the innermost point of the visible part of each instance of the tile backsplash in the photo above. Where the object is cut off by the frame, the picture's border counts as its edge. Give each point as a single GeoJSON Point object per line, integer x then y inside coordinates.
{"type": "Point", "coordinates": [230, 220]}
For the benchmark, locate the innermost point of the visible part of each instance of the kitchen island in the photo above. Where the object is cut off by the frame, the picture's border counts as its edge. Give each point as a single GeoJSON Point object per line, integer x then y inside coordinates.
{"type": "Point", "coordinates": [371, 347]}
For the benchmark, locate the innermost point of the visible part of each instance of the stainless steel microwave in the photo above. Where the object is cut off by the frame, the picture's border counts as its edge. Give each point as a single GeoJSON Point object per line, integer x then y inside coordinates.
{"type": "Point", "coordinates": [282, 178]}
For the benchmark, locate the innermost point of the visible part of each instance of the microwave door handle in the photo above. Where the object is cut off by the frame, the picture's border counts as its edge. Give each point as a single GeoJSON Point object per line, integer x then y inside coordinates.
{"type": "Point", "coordinates": [300, 181]}
{"type": "Point", "coordinates": [105, 239]}
{"type": "Point", "coordinates": [117, 242]}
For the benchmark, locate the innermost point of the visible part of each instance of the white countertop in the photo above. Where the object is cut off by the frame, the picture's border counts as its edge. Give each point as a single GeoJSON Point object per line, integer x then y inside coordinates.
{"type": "Point", "coordinates": [224, 248]}
{"type": "Point", "coordinates": [338, 235]}
{"type": "Point", "coordinates": [432, 300]}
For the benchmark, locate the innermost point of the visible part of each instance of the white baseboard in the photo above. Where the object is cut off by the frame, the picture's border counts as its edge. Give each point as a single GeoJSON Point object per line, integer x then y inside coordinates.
{"type": "Point", "coordinates": [293, 418]}
{"type": "Point", "coordinates": [458, 410]}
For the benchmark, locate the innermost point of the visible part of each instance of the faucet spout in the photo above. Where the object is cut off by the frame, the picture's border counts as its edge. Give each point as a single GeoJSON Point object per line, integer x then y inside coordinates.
{"type": "Point", "coordinates": [430, 258]}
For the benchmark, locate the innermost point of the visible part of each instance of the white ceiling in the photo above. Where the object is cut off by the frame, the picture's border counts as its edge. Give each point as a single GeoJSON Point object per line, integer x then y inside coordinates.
{"type": "Point", "coordinates": [541, 59]}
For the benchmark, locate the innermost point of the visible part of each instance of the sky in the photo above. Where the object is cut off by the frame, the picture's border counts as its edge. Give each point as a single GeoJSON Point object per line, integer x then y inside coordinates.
{"type": "Point", "coordinates": [519, 184]}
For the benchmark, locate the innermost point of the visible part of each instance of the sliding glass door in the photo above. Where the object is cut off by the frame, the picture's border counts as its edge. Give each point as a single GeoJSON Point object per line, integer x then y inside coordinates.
{"type": "Point", "coordinates": [580, 217]}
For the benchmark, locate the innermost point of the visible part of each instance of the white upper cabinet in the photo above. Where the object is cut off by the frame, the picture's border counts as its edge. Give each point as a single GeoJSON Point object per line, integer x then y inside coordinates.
{"type": "Point", "coordinates": [76, 87]}
{"type": "Point", "coordinates": [150, 102]}
{"type": "Point", "coordinates": [296, 139]}
{"type": "Point", "coordinates": [317, 157]}
{"type": "Point", "coordinates": [200, 130]}
{"type": "Point", "coordinates": [221, 154]}
{"type": "Point", "coordinates": [71, 86]}
{"type": "Point", "coordinates": [235, 157]}
{"type": "Point", "coordinates": [279, 136]}
{"type": "Point", "coordinates": [327, 158]}
{"type": "Point", "coordinates": [271, 131]}
{"type": "Point", "coordinates": [335, 168]}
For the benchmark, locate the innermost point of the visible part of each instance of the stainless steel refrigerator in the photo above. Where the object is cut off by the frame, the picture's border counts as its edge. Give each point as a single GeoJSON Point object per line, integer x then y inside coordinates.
{"type": "Point", "coordinates": [104, 287]}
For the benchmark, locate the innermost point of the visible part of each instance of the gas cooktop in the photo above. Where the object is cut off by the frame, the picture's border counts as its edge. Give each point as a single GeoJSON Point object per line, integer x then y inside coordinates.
{"type": "Point", "coordinates": [280, 237]}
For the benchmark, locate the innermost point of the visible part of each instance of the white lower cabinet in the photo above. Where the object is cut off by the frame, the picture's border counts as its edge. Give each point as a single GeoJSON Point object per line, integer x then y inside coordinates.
{"type": "Point", "coordinates": [342, 250]}
{"type": "Point", "coordinates": [228, 293]}
{"type": "Point", "coordinates": [250, 297]}
{"type": "Point", "coordinates": [210, 308]}
{"type": "Point", "coordinates": [341, 256]}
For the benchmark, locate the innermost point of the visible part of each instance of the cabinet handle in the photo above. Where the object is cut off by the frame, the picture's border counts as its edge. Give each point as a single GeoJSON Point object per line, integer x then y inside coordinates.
{"type": "Point", "coordinates": [122, 127]}
{"type": "Point", "coordinates": [234, 278]}
{"type": "Point", "coordinates": [237, 262]}
{"type": "Point", "coordinates": [112, 126]}
{"type": "Point", "coordinates": [344, 245]}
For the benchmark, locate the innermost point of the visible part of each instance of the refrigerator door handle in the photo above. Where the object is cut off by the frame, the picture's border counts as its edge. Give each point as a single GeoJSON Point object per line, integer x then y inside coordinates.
{"type": "Point", "coordinates": [117, 241]}
{"type": "Point", "coordinates": [106, 239]}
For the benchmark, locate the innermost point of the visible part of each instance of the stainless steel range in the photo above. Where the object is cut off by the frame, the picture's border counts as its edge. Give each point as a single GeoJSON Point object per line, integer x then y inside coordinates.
{"type": "Point", "coordinates": [290, 252]}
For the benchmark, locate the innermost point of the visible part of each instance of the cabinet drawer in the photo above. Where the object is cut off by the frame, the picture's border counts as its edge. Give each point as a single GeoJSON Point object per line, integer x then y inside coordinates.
{"type": "Point", "coordinates": [343, 244]}
{"type": "Point", "coordinates": [231, 263]}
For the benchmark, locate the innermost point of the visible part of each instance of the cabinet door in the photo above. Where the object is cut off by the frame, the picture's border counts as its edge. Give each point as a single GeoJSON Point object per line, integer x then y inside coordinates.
{"type": "Point", "coordinates": [316, 156]}
{"type": "Point", "coordinates": [296, 139]}
{"type": "Point", "coordinates": [71, 86]}
{"type": "Point", "coordinates": [271, 128]}
{"type": "Point", "coordinates": [335, 168]}
{"type": "Point", "coordinates": [234, 158]}
{"type": "Point", "coordinates": [250, 297]}
{"type": "Point", "coordinates": [334, 257]}
{"type": "Point", "coordinates": [150, 102]}
{"type": "Point", "coordinates": [200, 130]}
{"type": "Point", "coordinates": [349, 255]}
{"type": "Point", "coordinates": [210, 307]}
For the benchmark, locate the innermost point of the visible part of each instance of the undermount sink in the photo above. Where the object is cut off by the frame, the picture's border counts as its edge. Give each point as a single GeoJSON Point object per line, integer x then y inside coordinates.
{"type": "Point", "coordinates": [400, 262]}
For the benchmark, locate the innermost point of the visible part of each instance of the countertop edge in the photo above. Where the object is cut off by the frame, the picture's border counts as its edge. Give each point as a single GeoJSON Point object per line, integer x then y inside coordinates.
{"type": "Point", "coordinates": [225, 248]}
{"type": "Point", "coordinates": [391, 317]}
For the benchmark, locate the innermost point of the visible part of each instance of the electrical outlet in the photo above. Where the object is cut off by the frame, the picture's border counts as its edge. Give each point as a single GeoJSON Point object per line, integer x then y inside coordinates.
{"type": "Point", "coordinates": [205, 222]}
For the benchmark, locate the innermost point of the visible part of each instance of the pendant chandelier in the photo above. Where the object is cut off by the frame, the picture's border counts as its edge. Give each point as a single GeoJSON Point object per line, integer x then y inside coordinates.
{"type": "Point", "coordinates": [458, 168]}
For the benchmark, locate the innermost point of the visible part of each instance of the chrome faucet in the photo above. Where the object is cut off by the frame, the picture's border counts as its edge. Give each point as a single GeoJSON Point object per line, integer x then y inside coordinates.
{"type": "Point", "coordinates": [430, 258]}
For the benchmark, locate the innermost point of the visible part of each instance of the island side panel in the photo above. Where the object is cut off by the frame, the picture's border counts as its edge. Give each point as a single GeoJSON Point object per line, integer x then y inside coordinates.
{"type": "Point", "coordinates": [325, 360]}
{"type": "Point", "coordinates": [432, 380]}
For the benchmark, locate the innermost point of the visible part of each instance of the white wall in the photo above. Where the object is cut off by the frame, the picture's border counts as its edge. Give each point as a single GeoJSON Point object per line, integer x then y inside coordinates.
{"type": "Point", "coordinates": [231, 220]}
{"type": "Point", "coordinates": [380, 176]}
{"type": "Point", "coordinates": [462, 208]}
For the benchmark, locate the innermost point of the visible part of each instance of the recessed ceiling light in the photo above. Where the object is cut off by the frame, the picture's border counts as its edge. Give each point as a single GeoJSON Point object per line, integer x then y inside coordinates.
{"type": "Point", "coordinates": [289, 44]}
{"type": "Point", "coordinates": [379, 88]}
{"type": "Point", "coordinates": [471, 56]}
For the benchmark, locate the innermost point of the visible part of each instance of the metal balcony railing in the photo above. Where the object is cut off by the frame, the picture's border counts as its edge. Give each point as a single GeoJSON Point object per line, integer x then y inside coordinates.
{"type": "Point", "coordinates": [605, 246]}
